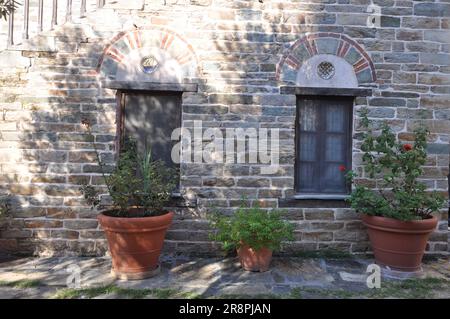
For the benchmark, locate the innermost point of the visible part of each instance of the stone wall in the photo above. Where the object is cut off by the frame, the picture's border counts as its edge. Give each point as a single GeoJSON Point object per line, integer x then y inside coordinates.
{"type": "Point", "coordinates": [240, 46]}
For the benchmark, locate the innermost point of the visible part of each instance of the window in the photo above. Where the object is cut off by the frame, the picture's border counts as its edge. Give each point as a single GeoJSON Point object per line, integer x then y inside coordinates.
{"type": "Point", "coordinates": [150, 118]}
{"type": "Point", "coordinates": [323, 145]}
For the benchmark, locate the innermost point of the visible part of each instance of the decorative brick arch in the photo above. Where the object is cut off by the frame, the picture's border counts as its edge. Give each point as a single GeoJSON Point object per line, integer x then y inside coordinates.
{"type": "Point", "coordinates": [335, 45]}
{"type": "Point", "coordinates": [121, 57]}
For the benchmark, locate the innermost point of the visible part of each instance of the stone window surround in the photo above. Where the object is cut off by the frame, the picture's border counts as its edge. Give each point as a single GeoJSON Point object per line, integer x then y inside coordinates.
{"type": "Point", "coordinates": [326, 43]}
{"type": "Point", "coordinates": [123, 87]}
{"type": "Point", "coordinates": [335, 201]}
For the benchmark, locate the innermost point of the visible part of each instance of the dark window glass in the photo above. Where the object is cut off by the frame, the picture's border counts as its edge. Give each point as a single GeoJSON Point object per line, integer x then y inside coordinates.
{"type": "Point", "coordinates": [323, 135]}
{"type": "Point", "coordinates": [150, 119]}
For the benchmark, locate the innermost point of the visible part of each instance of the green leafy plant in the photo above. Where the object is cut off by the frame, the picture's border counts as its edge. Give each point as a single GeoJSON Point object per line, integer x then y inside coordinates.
{"type": "Point", "coordinates": [254, 227]}
{"type": "Point", "coordinates": [7, 7]}
{"type": "Point", "coordinates": [396, 169]}
{"type": "Point", "coordinates": [5, 205]}
{"type": "Point", "coordinates": [136, 181]}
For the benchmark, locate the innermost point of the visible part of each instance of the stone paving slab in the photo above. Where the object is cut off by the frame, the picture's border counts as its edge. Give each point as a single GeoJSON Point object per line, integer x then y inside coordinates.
{"type": "Point", "coordinates": [55, 271]}
{"type": "Point", "coordinates": [206, 277]}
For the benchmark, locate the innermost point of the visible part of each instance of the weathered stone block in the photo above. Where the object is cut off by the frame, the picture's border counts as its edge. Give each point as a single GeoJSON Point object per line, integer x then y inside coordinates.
{"type": "Point", "coordinates": [318, 214]}
{"type": "Point", "coordinates": [432, 9]}
{"type": "Point", "coordinates": [76, 224]}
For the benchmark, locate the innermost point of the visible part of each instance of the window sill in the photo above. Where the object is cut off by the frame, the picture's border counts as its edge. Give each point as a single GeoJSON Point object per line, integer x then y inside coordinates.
{"type": "Point", "coordinates": [298, 90]}
{"type": "Point", "coordinates": [150, 86]}
{"type": "Point", "coordinates": [314, 201]}
{"type": "Point", "coordinates": [320, 196]}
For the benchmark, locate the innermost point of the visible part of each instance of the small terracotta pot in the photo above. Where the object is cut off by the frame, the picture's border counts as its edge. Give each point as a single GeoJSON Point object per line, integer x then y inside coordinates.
{"type": "Point", "coordinates": [399, 244]}
{"type": "Point", "coordinates": [135, 243]}
{"type": "Point", "coordinates": [254, 260]}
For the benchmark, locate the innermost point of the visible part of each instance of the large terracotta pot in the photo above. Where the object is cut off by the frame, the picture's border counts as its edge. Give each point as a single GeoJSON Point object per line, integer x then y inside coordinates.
{"type": "Point", "coordinates": [399, 244]}
{"type": "Point", "coordinates": [135, 243]}
{"type": "Point", "coordinates": [254, 260]}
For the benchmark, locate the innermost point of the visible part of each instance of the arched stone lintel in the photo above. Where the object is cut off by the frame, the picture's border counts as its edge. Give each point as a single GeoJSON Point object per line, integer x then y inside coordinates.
{"type": "Point", "coordinates": [345, 49]}
{"type": "Point", "coordinates": [176, 58]}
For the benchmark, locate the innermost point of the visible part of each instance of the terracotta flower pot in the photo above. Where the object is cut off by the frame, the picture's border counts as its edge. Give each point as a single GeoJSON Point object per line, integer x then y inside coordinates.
{"type": "Point", "coordinates": [399, 244]}
{"type": "Point", "coordinates": [135, 243]}
{"type": "Point", "coordinates": [254, 260]}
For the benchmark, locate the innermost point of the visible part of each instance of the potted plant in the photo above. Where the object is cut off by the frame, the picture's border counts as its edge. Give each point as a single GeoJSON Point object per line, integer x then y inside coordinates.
{"type": "Point", "coordinates": [398, 211]}
{"type": "Point", "coordinates": [255, 233]}
{"type": "Point", "coordinates": [135, 226]}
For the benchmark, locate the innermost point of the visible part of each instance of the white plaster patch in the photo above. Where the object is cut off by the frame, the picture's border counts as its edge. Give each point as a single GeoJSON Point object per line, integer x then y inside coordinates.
{"type": "Point", "coordinates": [168, 70]}
{"type": "Point", "coordinates": [344, 76]}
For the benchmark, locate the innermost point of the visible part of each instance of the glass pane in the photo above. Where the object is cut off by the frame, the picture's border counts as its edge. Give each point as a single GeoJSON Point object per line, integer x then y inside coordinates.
{"type": "Point", "coordinates": [307, 177]}
{"type": "Point", "coordinates": [333, 180]}
{"type": "Point", "coordinates": [307, 147]}
{"type": "Point", "coordinates": [334, 148]}
{"type": "Point", "coordinates": [335, 115]}
{"type": "Point", "coordinates": [308, 116]}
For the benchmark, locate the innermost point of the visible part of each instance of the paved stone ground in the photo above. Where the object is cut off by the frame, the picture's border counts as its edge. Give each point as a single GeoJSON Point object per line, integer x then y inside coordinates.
{"type": "Point", "coordinates": [183, 277]}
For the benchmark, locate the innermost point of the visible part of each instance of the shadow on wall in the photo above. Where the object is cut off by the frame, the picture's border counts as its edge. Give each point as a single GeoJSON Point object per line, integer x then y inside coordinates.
{"type": "Point", "coordinates": [52, 155]}
{"type": "Point", "coordinates": [47, 154]}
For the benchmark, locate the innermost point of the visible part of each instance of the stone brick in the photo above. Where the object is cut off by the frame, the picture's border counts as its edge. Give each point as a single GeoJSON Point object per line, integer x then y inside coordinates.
{"type": "Point", "coordinates": [434, 79]}
{"type": "Point", "coordinates": [392, 102]}
{"type": "Point", "coordinates": [420, 22]}
{"type": "Point", "coordinates": [350, 236]}
{"type": "Point", "coordinates": [43, 223]}
{"type": "Point", "coordinates": [434, 101]}
{"type": "Point", "coordinates": [219, 182]}
{"type": "Point", "coordinates": [64, 234]}
{"type": "Point", "coordinates": [432, 9]}
{"type": "Point", "coordinates": [77, 224]}
{"type": "Point", "coordinates": [401, 57]}
{"type": "Point", "coordinates": [82, 157]}
{"type": "Point", "coordinates": [382, 112]}
{"type": "Point", "coordinates": [253, 182]}
{"type": "Point", "coordinates": [389, 22]}
{"type": "Point", "coordinates": [320, 18]}
{"type": "Point", "coordinates": [60, 213]}
{"type": "Point", "coordinates": [317, 236]}
{"type": "Point", "coordinates": [16, 234]}
{"type": "Point", "coordinates": [312, 214]}
{"type": "Point", "coordinates": [409, 35]}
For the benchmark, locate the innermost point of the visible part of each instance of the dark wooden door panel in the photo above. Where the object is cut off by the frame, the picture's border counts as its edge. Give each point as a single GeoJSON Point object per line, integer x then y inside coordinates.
{"type": "Point", "coordinates": [150, 119]}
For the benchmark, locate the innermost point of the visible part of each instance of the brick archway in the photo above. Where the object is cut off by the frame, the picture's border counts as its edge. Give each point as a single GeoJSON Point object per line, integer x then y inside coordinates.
{"type": "Point", "coordinates": [120, 58]}
{"type": "Point", "coordinates": [322, 43]}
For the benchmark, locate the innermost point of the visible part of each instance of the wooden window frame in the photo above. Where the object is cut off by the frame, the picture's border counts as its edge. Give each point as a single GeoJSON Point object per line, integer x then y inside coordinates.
{"type": "Point", "coordinates": [129, 87]}
{"type": "Point", "coordinates": [319, 199]}
{"type": "Point", "coordinates": [347, 135]}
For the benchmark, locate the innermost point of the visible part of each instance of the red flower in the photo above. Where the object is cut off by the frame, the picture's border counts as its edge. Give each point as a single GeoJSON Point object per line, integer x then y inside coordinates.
{"type": "Point", "coordinates": [407, 147]}
{"type": "Point", "coordinates": [342, 168]}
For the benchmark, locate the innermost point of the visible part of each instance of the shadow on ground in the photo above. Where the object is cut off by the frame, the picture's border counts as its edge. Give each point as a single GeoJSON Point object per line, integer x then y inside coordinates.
{"type": "Point", "coordinates": [184, 277]}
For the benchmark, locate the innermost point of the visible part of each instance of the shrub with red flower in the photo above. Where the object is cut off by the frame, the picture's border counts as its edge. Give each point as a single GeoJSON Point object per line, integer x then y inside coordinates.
{"type": "Point", "coordinates": [342, 168]}
{"type": "Point", "coordinates": [397, 169]}
{"type": "Point", "coordinates": [407, 147]}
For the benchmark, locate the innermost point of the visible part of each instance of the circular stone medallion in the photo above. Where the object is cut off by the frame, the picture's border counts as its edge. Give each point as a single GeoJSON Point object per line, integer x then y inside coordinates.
{"type": "Point", "coordinates": [325, 70]}
{"type": "Point", "coordinates": [149, 64]}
